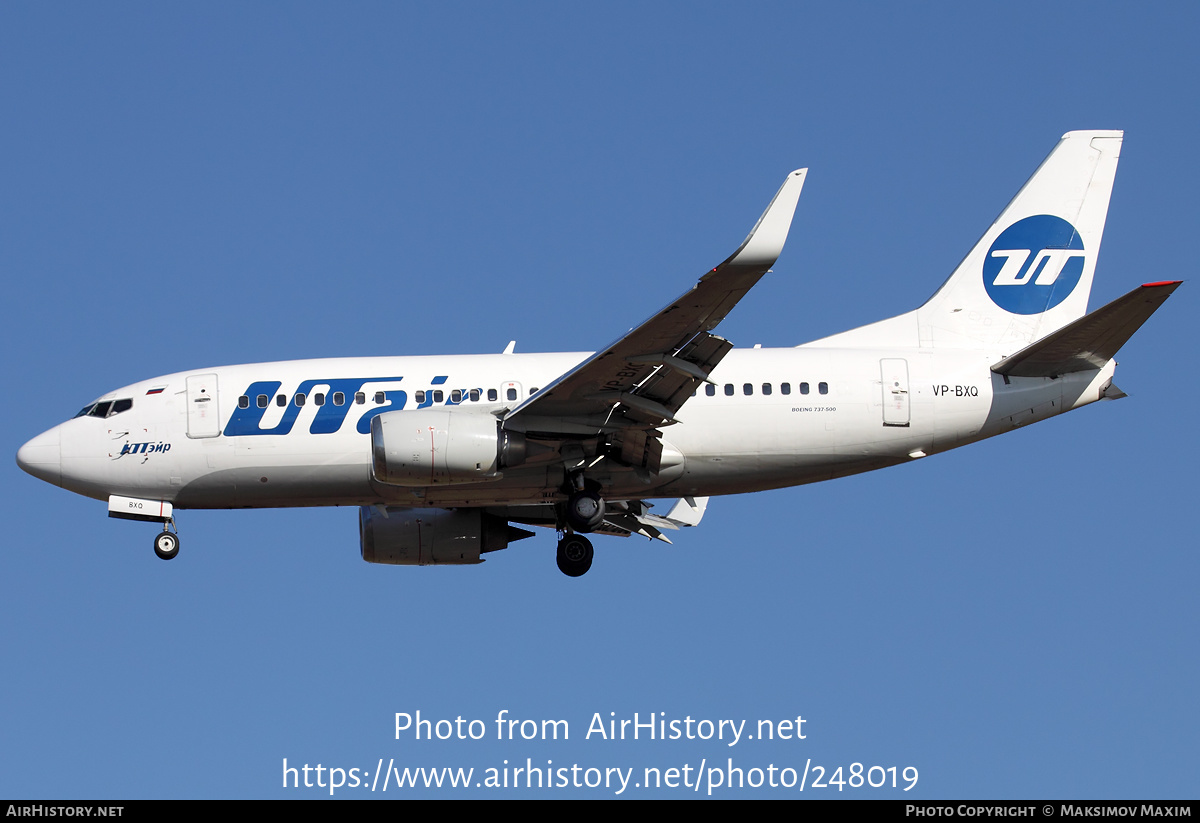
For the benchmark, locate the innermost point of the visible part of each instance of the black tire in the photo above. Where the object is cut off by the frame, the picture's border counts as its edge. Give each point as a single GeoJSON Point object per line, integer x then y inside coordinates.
{"type": "Point", "coordinates": [574, 555]}
{"type": "Point", "coordinates": [166, 545]}
{"type": "Point", "coordinates": [585, 511]}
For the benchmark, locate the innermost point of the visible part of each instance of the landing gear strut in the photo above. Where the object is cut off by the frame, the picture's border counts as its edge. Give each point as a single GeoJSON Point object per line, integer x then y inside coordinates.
{"type": "Point", "coordinates": [574, 555]}
{"type": "Point", "coordinates": [166, 545]}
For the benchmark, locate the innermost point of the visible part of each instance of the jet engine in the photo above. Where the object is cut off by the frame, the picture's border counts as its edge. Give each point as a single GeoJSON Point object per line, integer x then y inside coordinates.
{"type": "Point", "coordinates": [430, 537]}
{"type": "Point", "coordinates": [427, 447]}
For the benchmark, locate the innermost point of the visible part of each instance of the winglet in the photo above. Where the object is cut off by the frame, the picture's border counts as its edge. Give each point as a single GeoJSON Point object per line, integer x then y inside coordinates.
{"type": "Point", "coordinates": [765, 242]}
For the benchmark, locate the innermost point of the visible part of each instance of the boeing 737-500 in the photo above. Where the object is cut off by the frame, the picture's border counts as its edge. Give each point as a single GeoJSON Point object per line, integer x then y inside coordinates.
{"type": "Point", "coordinates": [443, 455]}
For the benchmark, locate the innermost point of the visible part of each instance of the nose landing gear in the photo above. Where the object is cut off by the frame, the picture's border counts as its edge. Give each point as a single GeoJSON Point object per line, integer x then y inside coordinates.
{"type": "Point", "coordinates": [166, 545]}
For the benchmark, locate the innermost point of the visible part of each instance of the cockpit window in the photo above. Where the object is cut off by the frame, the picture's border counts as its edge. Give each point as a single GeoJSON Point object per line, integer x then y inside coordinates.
{"type": "Point", "coordinates": [106, 408]}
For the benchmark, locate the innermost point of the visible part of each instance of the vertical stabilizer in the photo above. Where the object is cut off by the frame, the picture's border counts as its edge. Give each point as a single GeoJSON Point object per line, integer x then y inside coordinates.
{"type": "Point", "coordinates": [1031, 272]}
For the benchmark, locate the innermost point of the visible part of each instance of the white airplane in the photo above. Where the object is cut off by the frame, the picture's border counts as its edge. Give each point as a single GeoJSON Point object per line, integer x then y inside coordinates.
{"type": "Point", "coordinates": [444, 454]}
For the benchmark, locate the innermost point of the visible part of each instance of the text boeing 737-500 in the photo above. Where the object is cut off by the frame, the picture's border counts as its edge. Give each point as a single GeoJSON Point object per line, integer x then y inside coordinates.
{"type": "Point", "coordinates": [444, 454]}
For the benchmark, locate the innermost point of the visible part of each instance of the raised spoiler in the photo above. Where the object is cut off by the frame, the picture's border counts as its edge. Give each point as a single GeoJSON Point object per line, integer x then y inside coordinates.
{"type": "Point", "coordinates": [1092, 340]}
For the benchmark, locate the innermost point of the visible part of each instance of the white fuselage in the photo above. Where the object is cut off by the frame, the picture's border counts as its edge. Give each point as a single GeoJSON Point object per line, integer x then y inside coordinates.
{"type": "Point", "coordinates": [774, 418]}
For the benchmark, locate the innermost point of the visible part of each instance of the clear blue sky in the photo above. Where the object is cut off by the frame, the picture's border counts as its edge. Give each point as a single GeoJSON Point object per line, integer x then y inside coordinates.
{"type": "Point", "coordinates": [184, 187]}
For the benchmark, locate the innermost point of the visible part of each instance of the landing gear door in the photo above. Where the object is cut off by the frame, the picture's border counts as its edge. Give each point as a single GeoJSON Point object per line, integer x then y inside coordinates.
{"type": "Point", "coordinates": [203, 416]}
{"type": "Point", "coordinates": [894, 372]}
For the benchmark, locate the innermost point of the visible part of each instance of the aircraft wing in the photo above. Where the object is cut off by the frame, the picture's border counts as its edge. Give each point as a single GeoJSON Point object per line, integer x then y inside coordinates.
{"type": "Point", "coordinates": [640, 381]}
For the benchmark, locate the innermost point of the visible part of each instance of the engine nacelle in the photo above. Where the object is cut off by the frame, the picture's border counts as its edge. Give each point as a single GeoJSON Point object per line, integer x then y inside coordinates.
{"type": "Point", "coordinates": [429, 537]}
{"type": "Point", "coordinates": [429, 447]}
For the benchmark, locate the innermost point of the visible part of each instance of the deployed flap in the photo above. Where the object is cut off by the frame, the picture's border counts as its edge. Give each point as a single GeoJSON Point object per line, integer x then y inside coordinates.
{"type": "Point", "coordinates": [1092, 340]}
{"type": "Point", "coordinates": [643, 378]}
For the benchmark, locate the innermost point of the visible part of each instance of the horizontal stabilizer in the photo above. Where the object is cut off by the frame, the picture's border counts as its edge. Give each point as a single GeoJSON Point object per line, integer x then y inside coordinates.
{"type": "Point", "coordinates": [1092, 340]}
{"type": "Point", "coordinates": [688, 511]}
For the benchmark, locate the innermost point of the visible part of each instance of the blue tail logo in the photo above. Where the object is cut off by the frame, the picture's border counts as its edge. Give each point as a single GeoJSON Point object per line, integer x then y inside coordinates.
{"type": "Point", "coordinates": [1034, 264]}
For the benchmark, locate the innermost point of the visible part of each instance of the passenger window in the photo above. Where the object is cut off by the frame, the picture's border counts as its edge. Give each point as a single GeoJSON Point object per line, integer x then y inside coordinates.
{"type": "Point", "coordinates": [379, 398]}
{"type": "Point", "coordinates": [533, 391]}
{"type": "Point", "coordinates": [474, 395]}
{"type": "Point", "coordinates": [766, 388]}
{"type": "Point", "coordinates": [823, 388]}
{"type": "Point", "coordinates": [360, 398]}
{"type": "Point", "coordinates": [710, 390]}
{"type": "Point", "coordinates": [747, 389]}
{"type": "Point", "coordinates": [804, 388]}
{"type": "Point", "coordinates": [243, 402]}
{"type": "Point", "coordinates": [281, 400]}
{"type": "Point", "coordinates": [785, 388]}
{"type": "Point", "coordinates": [262, 401]}
{"type": "Point", "coordinates": [420, 397]}
{"type": "Point", "coordinates": [339, 398]}
{"type": "Point", "coordinates": [438, 397]}
{"type": "Point", "coordinates": [493, 395]}
{"type": "Point", "coordinates": [456, 396]}
{"type": "Point", "coordinates": [300, 398]}
{"type": "Point", "coordinates": [512, 394]}
{"type": "Point", "coordinates": [319, 399]}
{"type": "Point", "coordinates": [729, 390]}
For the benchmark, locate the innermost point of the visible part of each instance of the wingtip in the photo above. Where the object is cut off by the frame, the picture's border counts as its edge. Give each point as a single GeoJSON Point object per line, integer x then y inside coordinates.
{"type": "Point", "coordinates": [765, 241]}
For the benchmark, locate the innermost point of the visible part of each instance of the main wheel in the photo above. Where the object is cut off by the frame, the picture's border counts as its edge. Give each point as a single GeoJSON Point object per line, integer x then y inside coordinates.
{"type": "Point", "coordinates": [574, 555]}
{"type": "Point", "coordinates": [166, 545]}
{"type": "Point", "coordinates": [585, 511]}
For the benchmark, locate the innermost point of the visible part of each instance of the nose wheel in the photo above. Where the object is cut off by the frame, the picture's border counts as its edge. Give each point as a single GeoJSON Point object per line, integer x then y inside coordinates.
{"type": "Point", "coordinates": [574, 555]}
{"type": "Point", "coordinates": [166, 545]}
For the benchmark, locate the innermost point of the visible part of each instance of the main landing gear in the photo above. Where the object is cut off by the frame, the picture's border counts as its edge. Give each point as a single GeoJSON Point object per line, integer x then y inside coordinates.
{"type": "Point", "coordinates": [583, 512]}
{"type": "Point", "coordinates": [166, 545]}
{"type": "Point", "coordinates": [574, 555]}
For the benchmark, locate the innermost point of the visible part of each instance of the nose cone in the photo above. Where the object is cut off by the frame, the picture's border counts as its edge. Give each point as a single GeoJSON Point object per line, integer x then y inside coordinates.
{"type": "Point", "coordinates": [42, 457]}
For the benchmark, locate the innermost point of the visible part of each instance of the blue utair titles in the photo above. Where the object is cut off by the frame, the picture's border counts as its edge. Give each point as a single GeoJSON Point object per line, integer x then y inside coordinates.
{"type": "Point", "coordinates": [329, 417]}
